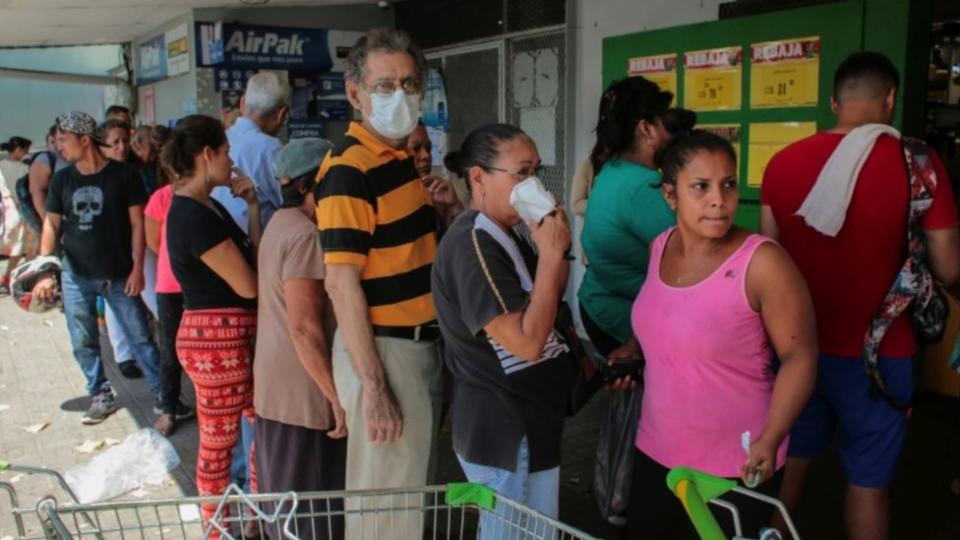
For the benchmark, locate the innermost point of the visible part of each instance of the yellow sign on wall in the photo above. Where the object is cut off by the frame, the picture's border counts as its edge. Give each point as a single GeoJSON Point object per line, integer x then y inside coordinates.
{"type": "Point", "coordinates": [660, 69]}
{"type": "Point", "coordinates": [730, 132]}
{"type": "Point", "coordinates": [785, 73]}
{"type": "Point", "coordinates": [768, 138]}
{"type": "Point", "coordinates": [712, 79]}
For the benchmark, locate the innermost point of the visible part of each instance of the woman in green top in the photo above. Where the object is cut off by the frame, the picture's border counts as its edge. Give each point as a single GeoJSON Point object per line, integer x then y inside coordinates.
{"type": "Point", "coordinates": [625, 212]}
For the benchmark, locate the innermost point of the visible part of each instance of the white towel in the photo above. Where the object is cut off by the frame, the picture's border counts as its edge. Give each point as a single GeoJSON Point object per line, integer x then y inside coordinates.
{"type": "Point", "coordinates": [825, 207]}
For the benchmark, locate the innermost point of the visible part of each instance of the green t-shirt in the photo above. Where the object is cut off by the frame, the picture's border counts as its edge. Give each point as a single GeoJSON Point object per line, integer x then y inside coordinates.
{"type": "Point", "coordinates": [625, 213]}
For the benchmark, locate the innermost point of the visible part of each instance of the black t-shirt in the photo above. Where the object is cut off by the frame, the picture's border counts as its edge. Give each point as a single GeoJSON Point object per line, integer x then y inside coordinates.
{"type": "Point", "coordinates": [192, 229]}
{"type": "Point", "coordinates": [95, 232]}
{"type": "Point", "coordinates": [498, 398]}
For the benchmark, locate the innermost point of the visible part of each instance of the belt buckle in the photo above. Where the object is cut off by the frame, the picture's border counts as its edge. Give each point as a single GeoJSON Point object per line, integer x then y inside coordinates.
{"type": "Point", "coordinates": [416, 333]}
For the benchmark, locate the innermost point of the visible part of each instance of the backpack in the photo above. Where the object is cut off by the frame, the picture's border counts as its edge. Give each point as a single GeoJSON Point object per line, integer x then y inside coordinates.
{"type": "Point", "coordinates": [28, 213]}
{"type": "Point", "coordinates": [914, 285]}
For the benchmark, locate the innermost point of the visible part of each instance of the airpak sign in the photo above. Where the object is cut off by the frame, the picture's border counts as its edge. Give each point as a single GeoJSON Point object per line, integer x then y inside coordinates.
{"type": "Point", "coordinates": [249, 47]}
{"type": "Point", "coordinates": [269, 43]}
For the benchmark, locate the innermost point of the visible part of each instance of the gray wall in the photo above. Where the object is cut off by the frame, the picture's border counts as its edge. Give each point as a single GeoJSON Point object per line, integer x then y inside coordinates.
{"type": "Point", "coordinates": [31, 105]}
{"type": "Point", "coordinates": [351, 17]}
{"type": "Point", "coordinates": [170, 95]}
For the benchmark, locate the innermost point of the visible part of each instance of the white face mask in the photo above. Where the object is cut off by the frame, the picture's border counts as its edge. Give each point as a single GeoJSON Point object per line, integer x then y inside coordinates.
{"type": "Point", "coordinates": [395, 116]}
{"type": "Point", "coordinates": [532, 201]}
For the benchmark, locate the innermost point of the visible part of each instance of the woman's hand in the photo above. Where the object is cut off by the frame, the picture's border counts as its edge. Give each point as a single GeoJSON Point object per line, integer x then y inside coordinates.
{"type": "Point", "coordinates": [243, 187]}
{"type": "Point", "coordinates": [441, 191]}
{"type": "Point", "coordinates": [630, 349]}
{"type": "Point", "coordinates": [552, 235]}
{"type": "Point", "coordinates": [762, 462]}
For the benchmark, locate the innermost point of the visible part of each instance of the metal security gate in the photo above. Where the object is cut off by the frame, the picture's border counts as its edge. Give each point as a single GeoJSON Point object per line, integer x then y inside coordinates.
{"type": "Point", "coordinates": [518, 79]}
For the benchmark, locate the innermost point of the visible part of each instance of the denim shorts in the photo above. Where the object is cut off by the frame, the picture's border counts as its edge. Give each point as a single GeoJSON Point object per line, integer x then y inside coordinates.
{"type": "Point", "coordinates": [870, 432]}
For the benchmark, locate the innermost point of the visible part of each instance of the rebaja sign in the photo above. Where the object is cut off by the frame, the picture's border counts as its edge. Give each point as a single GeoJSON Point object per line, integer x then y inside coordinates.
{"type": "Point", "coordinates": [249, 47]}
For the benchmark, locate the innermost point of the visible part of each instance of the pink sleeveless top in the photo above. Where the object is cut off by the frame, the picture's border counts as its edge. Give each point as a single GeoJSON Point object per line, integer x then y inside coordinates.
{"type": "Point", "coordinates": [708, 376]}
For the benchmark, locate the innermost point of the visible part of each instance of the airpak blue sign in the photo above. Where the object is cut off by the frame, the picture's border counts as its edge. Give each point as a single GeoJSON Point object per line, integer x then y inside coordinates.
{"type": "Point", "coordinates": [268, 47]}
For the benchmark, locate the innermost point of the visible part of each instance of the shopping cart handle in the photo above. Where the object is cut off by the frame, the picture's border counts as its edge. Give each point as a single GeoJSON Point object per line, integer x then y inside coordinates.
{"type": "Point", "coordinates": [463, 493]}
{"type": "Point", "coordinates": [694, 489]}
{"type": "Point", "coordinates": [4, 465]}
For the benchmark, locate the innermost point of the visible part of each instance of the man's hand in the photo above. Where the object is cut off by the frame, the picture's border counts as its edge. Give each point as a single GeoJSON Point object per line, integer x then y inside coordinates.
{"type": "Point", "coordinates": [383, 416]}
{"type": "Point", "coordinates": [339, 430]}
{"type": "Point", "coordinates": [46, 290]}
{"type": "Point", "coordinates": [134, 282]}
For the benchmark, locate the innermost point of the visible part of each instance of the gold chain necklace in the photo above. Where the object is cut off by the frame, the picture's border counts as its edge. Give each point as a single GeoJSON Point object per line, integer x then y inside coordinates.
{"type": "Point", "coordinates": [679, 279]}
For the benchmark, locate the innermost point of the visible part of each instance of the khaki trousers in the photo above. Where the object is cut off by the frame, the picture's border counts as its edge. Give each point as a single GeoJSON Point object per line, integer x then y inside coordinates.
{"type": "Point", "coordinates": [412, 370]}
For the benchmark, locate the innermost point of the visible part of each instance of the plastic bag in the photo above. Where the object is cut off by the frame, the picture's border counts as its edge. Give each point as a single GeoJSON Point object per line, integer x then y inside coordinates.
{"type": "Point", "coordinates": [144, 457]}
{"type": "Point", "coordinates": [614, 470]}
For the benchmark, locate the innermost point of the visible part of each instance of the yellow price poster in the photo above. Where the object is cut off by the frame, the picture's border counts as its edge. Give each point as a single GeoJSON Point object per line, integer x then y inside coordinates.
{"type": "Point", "coordinates": [712, 79]}
{"type": "Point", "coordinates": [660, 69]}
{"type": "Point", "coordinates": [766, 139]}
{"type": "Point", "coordinates": [785, 73]}
{"type": "Point", "coordinates": [730, 132]}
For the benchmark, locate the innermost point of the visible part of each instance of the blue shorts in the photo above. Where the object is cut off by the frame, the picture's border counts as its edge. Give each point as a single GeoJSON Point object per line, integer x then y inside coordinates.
{"type": "Point", "coordinates": [870, 432]}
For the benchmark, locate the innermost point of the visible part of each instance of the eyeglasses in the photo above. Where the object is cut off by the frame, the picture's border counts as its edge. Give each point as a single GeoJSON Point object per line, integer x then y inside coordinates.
{"type": "Point", "coordinates": [522, 174]}
{"type": "Point", "coordinates": [385, 88]}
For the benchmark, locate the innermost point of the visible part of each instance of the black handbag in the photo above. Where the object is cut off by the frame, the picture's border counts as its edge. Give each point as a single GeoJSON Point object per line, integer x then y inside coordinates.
{"type": "Point", "coordinates": [585, 377]}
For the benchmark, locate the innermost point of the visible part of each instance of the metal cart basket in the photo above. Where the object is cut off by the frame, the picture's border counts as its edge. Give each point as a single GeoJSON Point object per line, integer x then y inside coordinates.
{"type": "Point", "coordinates": [450, 512]}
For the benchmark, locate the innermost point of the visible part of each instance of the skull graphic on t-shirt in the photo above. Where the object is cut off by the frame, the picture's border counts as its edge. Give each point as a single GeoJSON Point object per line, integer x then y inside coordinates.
{"type": "Point", "coordinates": [87, 204]}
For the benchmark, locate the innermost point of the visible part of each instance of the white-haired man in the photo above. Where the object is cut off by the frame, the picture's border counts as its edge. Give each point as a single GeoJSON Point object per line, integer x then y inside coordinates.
{"type": "Point", "coordinates": [265, 107]}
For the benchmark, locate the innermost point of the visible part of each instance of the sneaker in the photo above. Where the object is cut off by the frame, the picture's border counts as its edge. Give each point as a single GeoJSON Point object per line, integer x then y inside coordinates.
{"type": "Point", "coordinates": [104, 404]}
{"type": "Point", "coordinates": [165, 424]}
{"type": "Point", "coordinates": [182, 412]}
{"type": "Point", "coordinates": [130, 369]}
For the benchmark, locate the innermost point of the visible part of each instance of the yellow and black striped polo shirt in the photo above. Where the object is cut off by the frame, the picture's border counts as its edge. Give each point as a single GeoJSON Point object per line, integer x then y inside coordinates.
{"type": "Point", "coordinates": [373, 211]}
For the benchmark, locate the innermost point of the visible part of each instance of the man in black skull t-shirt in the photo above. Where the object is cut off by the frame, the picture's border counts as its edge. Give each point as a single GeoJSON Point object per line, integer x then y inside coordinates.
{"type": "Point", "coordinates": [95, 211]}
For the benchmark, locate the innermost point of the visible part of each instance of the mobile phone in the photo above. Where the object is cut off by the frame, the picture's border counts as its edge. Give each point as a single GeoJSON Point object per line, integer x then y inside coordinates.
{"type": "Point", "coordinates": [627, 367]}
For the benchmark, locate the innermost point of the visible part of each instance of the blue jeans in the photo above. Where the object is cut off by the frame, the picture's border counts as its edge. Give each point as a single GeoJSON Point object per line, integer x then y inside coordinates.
{"type": "Point", "coordinates": [80, 304]}
{"type": "Point", "coordinates": [537, 490]}
{"type": "Point", "coordinates": [240, 465]}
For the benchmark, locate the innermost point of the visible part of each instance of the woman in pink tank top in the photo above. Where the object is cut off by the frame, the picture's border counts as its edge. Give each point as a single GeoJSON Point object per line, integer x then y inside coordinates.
{"type": "Point", "coordinates": [718, 304]}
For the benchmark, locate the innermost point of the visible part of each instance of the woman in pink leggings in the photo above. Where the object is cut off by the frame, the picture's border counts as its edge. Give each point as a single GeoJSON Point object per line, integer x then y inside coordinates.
{"type": "Point", "coordinates": [718, 305]}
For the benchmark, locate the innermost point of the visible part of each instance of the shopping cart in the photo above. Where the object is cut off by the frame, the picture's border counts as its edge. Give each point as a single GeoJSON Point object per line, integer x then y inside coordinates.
{"type": "Point", "coordinates": [696, 489]}
{"type": "Point", "coordinates": [449, 512]}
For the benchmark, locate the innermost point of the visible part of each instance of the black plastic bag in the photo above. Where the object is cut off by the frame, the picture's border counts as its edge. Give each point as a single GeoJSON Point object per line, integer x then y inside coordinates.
{"type": "Point", "coordinates": [614, 469]}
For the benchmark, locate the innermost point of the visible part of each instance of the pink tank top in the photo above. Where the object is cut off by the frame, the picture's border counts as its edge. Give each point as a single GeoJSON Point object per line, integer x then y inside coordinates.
{"type": "Point", "coordinates": [708, 376]}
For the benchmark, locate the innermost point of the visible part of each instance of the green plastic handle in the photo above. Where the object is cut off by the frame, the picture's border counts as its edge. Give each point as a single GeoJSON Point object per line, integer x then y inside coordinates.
{"type": "Point", "coordinates": [694, 489]}
{"type": "Point", "coordinates": [4, 465]}
{"type": "Point", "coordinates": [463, 493]}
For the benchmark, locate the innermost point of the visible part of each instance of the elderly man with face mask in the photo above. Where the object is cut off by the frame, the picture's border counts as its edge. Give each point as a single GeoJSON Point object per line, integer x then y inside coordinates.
{"type": "Point", "coordinates": [378, 228]}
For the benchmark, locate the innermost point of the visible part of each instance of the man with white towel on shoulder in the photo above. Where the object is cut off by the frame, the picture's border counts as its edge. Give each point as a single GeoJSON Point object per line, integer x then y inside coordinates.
{"type": "Point", "coordinates": [839, 203]}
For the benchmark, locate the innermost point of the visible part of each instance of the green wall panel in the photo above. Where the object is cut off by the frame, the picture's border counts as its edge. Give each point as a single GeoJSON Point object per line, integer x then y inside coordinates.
{"type": "Point", "coordinates": [897, 28]}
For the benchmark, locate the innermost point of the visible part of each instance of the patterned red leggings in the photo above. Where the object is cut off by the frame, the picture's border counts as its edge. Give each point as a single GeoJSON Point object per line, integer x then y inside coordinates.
{"type": "Point", "coordinates": [215, 347]}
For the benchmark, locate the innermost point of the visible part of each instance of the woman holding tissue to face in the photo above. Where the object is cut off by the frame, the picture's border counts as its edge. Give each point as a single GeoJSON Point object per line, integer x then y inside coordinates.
{"type": "Point", "coordinates": [496, 304]}
{"type": "Point", "coordinates": [718, 303]}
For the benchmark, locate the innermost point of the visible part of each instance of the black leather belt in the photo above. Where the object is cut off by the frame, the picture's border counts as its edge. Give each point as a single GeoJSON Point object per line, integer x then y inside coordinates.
{"type": "Point", "coordinates": [424, 332]}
